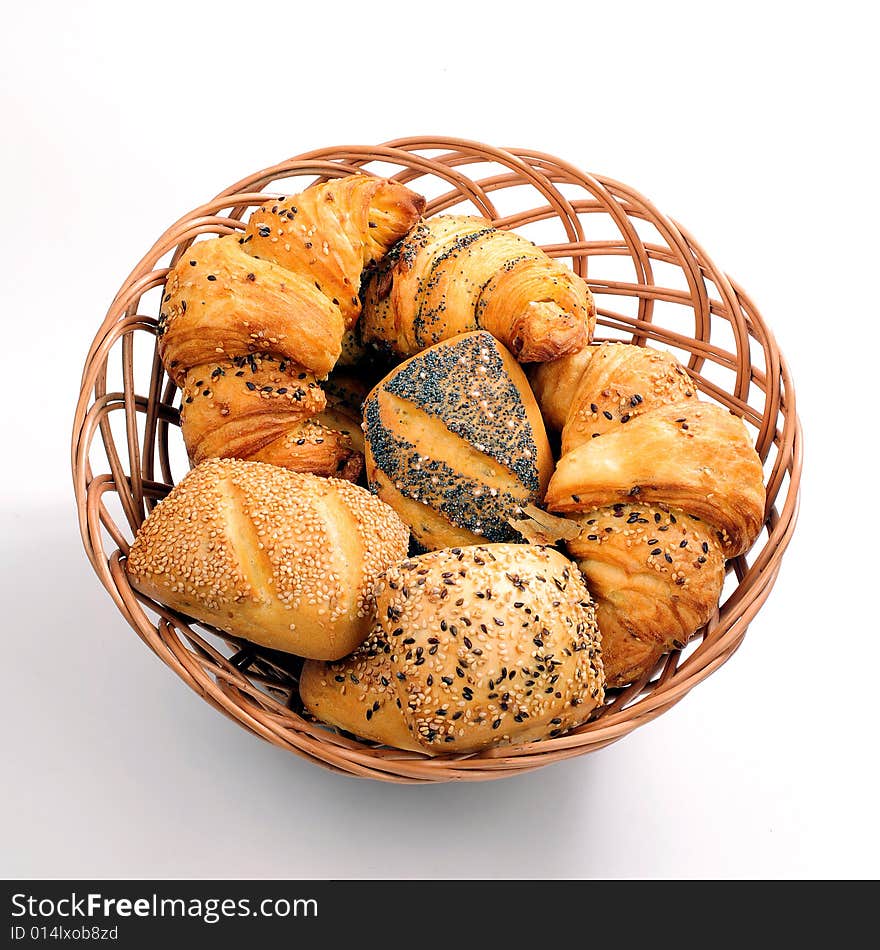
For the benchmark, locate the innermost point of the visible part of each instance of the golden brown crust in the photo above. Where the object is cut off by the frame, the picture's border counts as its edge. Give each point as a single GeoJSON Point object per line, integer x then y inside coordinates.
{"type": "Point", "coordinates": [555, 385]}
{"type": "Point", "coordinates": [655, 576]}
{"type": "Point", "coordinates": [285, 560]}
{"type": "Point", "coordinates": [619, 383]}
{"type": "Point", "coordinates": [693, 456]}
{"type": "Point", "coordinates": [228, 304]}
{"type": "Point", "coordinates": [454, 274]}
{"type": "Point", "coordinates": [345, 398]}
{"type": "Point", "coordinates": [358, 694]}
{"type": "Point", "coordinates": [490, 644]}
{"type": "Point", "coordinates": [234, 408]}
{"type": "Point", "coordinates": [332, 230]}
{"type": "Point", "coordinates": [475, 647]}
{"type": "Point", "coordinates": [286, 291]}
{"type": "Point", "coordinates": [313, 447]}
{"type": "Point", "coordinates": [330, 442]}
{"type": "Point", "coordinates": [665, 487]}
{"type": "Point", "coordinates": [455, 442]}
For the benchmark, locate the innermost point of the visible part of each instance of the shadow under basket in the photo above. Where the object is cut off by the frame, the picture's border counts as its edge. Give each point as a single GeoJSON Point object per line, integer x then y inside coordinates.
{"type": "Point", "coordinates": [653, 284]}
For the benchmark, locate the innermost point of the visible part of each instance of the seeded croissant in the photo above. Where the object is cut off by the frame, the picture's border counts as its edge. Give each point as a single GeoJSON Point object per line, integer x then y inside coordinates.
{"type": "Point", "coordinates": [250, 324]}
{"type": "Point", "coordinates": [453, 274]}
{"type": "Point", "coordinates": [665, 488]}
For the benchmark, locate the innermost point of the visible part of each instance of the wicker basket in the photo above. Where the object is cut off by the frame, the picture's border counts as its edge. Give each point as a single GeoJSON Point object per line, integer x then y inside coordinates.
{"type": "Point", "coordinates": [653, 284]}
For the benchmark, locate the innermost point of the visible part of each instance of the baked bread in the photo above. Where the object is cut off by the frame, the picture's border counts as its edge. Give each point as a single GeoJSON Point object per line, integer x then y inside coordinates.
{"type": "Point", "coordinates": [249, 323]}
{"type": "Point", "coordinates": [455, 442]}
{"type": "Point", "coordinates": [474, 647]}
{"type": "Point", "coordinates": [283, 559]}
{"type": "Point", "coordinates": [664, 486]}
{"type": "Point", "coordinates": [359, 694]}
{"type": "Point", "coordinates": [453, 274]}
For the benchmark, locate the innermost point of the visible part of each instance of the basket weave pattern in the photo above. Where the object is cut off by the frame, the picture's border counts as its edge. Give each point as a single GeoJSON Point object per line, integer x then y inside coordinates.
{"type": "Point", "coordinates": [653, 285]}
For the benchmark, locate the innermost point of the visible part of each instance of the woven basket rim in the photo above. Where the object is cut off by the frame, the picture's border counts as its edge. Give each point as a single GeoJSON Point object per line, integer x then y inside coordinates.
{"type": "Point", "coordinates": [249, 684]}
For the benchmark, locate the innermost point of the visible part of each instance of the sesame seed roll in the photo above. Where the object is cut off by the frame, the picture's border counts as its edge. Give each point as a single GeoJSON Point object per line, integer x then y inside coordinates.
{"type": "Point", "coordinates": [283, 559]}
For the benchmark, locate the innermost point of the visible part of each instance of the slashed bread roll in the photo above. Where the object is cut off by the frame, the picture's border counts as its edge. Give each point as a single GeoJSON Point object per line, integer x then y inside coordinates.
{"type": "Point", "coordinates": [283, 559]}
{"type": "Point", "coordinates": [474, 647]}
{"type": "Point", "coordinates": [455, 442]}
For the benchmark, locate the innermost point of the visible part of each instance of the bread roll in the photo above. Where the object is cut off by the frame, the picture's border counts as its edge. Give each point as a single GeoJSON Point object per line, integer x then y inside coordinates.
{"type": "Point", "coordinates": [474, 647]}
{"type": "Point", "coordinates": [455, 442]}
{"type": "Point", "coordinates": [283, 559]}
{"type": "Point", "coordinates": [358, 694]}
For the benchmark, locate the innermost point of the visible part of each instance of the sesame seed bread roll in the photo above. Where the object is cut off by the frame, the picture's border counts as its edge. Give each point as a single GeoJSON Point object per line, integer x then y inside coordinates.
{"type": "Point", "coordinates": [358, 694]}
{"type": "Point", "coordinates": [453, 274]}
{"type": "Point", "coordinates": [283, 294]}
{"type": "Point", "coordinates": [455, 442]}
{"type": "Point", "coordinates": [283, 559]}
{"type": "Point", "coordinates": [664, 487]}
{"type": "Point", "coordinates": [475, 647]}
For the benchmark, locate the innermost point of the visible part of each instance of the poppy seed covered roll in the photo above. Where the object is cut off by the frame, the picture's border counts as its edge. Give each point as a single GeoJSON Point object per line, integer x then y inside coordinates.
{"type": "Point", "coordinates": [455, 442]}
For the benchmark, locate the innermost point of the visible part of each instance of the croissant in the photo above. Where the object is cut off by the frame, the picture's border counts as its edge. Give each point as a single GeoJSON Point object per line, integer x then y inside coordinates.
{"type": "Point", "coordinates": [330, 441]}
{"type": "Point", "coordinates": [250, 324]}
{"type": "Point", "coordinates": [665, 487]}
{"type": "Point", "coordinates": [453, 274]}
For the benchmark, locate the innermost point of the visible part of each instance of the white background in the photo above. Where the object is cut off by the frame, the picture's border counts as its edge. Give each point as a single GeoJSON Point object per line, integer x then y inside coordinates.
{"type": "Point", "coordinates": [752, 126]}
